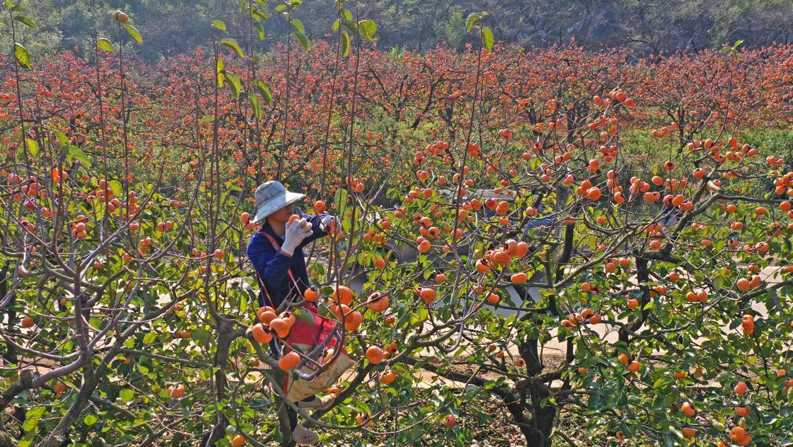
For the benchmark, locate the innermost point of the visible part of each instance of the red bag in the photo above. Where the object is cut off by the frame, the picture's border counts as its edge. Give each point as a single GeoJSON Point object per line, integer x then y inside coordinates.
{"type": "Point", "coordinates": [303, 331]}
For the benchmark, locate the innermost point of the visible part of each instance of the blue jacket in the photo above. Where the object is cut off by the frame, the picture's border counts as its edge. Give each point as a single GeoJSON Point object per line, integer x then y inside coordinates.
{"type": "Point", "coordinates": [273, 266]}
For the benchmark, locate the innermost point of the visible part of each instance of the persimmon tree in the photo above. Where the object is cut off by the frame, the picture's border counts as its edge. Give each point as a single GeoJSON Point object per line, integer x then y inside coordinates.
{"type": "Point", "coordinates": [493, 206]}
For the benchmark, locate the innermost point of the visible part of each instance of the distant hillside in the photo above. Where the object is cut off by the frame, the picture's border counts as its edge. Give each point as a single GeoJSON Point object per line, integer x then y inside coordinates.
{"type": "Point", "coordinates": [173, 26]}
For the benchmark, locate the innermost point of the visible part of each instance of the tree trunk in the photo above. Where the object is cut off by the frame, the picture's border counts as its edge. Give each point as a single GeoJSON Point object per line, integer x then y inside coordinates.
{"type": "Point", "coordinates": [10, 354]}
{"type": "Point", "coordinates": [226, 335]}
{"type": "Point", "coordinates": [286, 429]}
{"type": "Point", "coordinates": [539, 433]}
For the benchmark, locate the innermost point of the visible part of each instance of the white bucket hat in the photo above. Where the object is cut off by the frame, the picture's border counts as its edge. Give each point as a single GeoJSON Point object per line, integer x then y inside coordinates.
{"type": "Point", "coordinates": [272, 196]}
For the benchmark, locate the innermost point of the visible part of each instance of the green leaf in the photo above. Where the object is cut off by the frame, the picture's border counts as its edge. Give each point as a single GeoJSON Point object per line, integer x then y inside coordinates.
{"type": "Point", "coordinates": [297, 24]}
{"type": "Point", "coordinates": [62, 138]}
{"type": "Point", "coordinates": [257, 108]}
{"type": "Point", "coordinates": [235, 82]}
{"type": "Point", "coordinates": [260, 30]}
{"type": "Point", "coordinates": [35, 412]}
{"type": "Point", "coordinates": [127, 395]}
{"type": "Point", "coordinates": [10, 5]}
{"type": "Point", "coordinates": [368, 29]}
{"type": "Point", "coordinates": [129, 344]}
{"type": "Point", "coordinates": [258, 15]}
{"type": "Point", "coordinates": [280, 8]}
{"type": "Point", "coordinates": [104, 44]}
{"type": "Point", "coordinates": [243, 300]}
{"type": "Point", "coordinates": [317, 269]}
{"type": "Point", "coordinates": [33, 146]}
{"type": "Point", "coordinates": [419, 316]}
{"type": "Point", "coordinates": [219, 24]}
{"type": "Point", "coordinates": [346, 14]}
{"type": "Point", "coordinates": [345, 43]}
{"type": "Point", "coordinates": [487, 38]}
{"type": "Point", "coordinates": [27, 21]}
{"type": "Point", "coordinates": [265, 90]}
{"type": "Point", "coordinates": [116, 187]}
{"type": "Point", "coordinates": [336, 25]}
{"type": "Point", "coordinates": [149, 338]}
{"type": "Point", "coordinates": [75, 153]}
{"type": "Point", "coordinates": [90, 420]}
{"type": "Point", "coordinates": [303, 40]}
{"type": "Point", "coordinates": [303, 314]}
{"type": "Point", "coordinates": [30, 424]}
{"type": "Point", "coordinates": [471, 21]}
{"type": "Point", "coordinates": [201, 335]}
{"type": "Point", "coordinates": [341, 200]}
{"type": "Point", "coordinates": [231, 43]}
{"type": "Point", "coordinates": [22, 56]}
{"type": "Point", "coordinates": [133, 32]}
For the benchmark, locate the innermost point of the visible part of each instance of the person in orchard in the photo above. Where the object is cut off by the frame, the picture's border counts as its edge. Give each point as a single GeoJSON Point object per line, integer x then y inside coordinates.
{"type": "Point", "coordinates": [276, 252]}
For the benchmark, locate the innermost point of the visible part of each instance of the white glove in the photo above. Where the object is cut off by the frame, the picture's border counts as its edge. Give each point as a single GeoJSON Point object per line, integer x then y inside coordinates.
{"type": "Point", "coordinates": [328, 223]}
{"type": "Point", "coordinates": [296, 232]}
{"type": "Point", "coordinates": [327, 220]}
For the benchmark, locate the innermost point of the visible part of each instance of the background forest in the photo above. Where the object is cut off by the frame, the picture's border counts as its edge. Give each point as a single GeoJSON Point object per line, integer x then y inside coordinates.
{"type": "Point", "coordinates": [654, 26]}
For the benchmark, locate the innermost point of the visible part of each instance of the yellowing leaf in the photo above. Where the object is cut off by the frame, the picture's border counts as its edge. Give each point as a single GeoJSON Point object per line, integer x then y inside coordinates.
{"type": "Point", "coordinates": [134, 33]}
{"type": "Point", "coordinates": [231, 43]}
{"type": "Point", "coordinates": [104, 44]}
{"type": "Point", "coordinates": [22, 55]}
